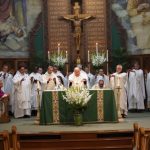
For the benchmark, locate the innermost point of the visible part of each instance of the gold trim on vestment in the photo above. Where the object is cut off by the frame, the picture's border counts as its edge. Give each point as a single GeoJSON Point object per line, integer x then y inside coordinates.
{"type": "Point", "coordinates": [55, 103]}
{"type": "Point", "coordinates": [100, 100]}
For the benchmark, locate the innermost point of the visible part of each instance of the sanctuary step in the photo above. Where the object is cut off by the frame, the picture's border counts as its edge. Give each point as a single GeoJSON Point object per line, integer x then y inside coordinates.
{"type": "Point", "coordinates": [106, 140]}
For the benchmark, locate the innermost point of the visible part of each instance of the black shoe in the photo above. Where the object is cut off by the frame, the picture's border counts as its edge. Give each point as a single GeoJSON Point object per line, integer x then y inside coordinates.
{"type": "Point", "coordinates": [140, 110]}
{"type": "Point", "coordinates": [34, 113]}
{"type": "Point", "coordinates": [10, 113]}
{"type": "Point", "coordinates": [26, 116]}
{"type": "Point", "coordinates": [123, 115]}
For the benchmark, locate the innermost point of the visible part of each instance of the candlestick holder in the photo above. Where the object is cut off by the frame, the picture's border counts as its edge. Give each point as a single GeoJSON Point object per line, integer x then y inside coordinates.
{"type": "Point", "coordinates": [118, 88]}
{"type": "Point", "coordinates": [37, 120]}
{"type": "Point", "coordinates": [89, 66]}
{"type": "Point", "coordinates": [67, 68]}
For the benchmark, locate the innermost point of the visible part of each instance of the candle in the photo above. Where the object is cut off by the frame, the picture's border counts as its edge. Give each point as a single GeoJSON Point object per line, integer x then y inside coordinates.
{"type": "Point", "coordinates": [48, 55]}
{"type": "Point", "coordinates": [58, 48]}
{"type": "Point", "coordinates": [97, 48]}
{"type": "Point", "coordinates": [88, 56]}
{"type": "Point", "coordinates": [107, 56]}
{"type": "Point", "coordinates": [66, 56]}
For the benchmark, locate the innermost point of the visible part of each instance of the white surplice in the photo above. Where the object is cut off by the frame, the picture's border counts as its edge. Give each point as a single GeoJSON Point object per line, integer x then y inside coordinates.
{"type": "Point", "coordinates": [78, 81]}
{"type": "Point", "coordinates": [7, 87]}
{"type": "Point", "coordinates": [34, 86]}
{"type": "Point", "coordinates": [51, 85]}
{"type": "Point", "coordinates": [91, 79]}
{"type": "Point", "coordinates": [105, 78]}
{"type": "Point", "coordinates": [136, 89]}
{"type": "Point", "coordinates": [58, 73]}
{"type": "Point", "coordinates": [22, 95]}
{"type": "Point", "coordinates": [119, 80]}
{"type": "Point", "coordinates": [148, 90]}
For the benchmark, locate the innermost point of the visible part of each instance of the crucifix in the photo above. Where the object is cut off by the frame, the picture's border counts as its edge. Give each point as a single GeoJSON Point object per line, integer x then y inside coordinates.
{"type": "Point", "coordinates": [77, 20]}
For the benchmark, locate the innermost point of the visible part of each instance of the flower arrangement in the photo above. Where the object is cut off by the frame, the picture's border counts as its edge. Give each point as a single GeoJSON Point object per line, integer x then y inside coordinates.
{"type": "Point", "coordinates": [98, 59]}
{"type": "Point", "coordinates": [77, 97]}
{"type": "Point", "coordinates": [58, 59]}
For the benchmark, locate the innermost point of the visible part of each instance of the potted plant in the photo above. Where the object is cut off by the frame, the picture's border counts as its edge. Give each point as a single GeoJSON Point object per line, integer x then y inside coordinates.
{"type": "Point", "coordinates": [78, 99]}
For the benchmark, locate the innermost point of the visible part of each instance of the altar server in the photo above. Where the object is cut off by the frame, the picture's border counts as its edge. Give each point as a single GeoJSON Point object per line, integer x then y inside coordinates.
{"type": "Point", "coordinates": [50, 80]}
{"type": "Point", "coordinates": [148, 90]}
{"type": "Point", "coordinates": [36, 84]}
{"type": "Point", "coordinates": [78, 79]}
{"type": "Point", "coordinates": [22, 93]}
{"type": "Point", "coordinates": [91, 78]}
{"type": "Point", "coordinates": [6, 78]}
{"type": "Point", "coordinates": [99, 85]}
{"type": "Point", "coordinates": [118, 83]}
{"type": "Point", "coordinates": [101, 75]}
{"type": "Point", "coordinates": [136, 88]}
{"type": "Point", "coordinates": [59, 73]}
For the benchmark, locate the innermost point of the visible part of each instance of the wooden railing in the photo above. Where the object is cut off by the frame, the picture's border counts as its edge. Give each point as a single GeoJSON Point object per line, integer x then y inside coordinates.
{"type": "Point", "coordinates": [4, 117]}
{"type": "Point", "coordinates": [4, 136]}
{"type": "Point", "coordinates": [141, 138]}
{"type": "Point", "coordinates": [6, 140]}
{"type": "Point", "coordinates": [102, 140]}
{"type": "Point", "coordinates": [15, 142]}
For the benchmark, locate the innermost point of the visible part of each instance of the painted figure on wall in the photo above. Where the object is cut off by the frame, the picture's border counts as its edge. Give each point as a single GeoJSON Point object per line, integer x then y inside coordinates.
{"type": "Point", "coordinates": [134, 16]}
{"type": "Point", "coordinates": [139, 13]}
{"type": "Point", "coordinates": [17, 21]}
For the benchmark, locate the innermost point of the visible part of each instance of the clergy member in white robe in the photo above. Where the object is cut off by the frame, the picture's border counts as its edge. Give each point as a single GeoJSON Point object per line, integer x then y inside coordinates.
{"type": "Point", "coordinates": [100, 76]}
{"type": "Point", "coordinates": [91, 78]}
{"type": "Point", "coordinates": [22, 93]}
{"type": "Point", "coordinates": [136, 88]}
{"type": "Point", "coordinates": [7, 85]}
{"type": "Point", "coordinates": [84, 74]}
{"type": "Point", "coordinates": [58, 73]}
{"type": "Point", "coordinates": [118, 83]}
{"type": "Point", "coordinates": [148, 90]}
{"type": "Point", "coordinates": [50, 80]}
{"type": "Point", "coordinates": [78, 79]}
{"type": "Point", "coordinates": [99, 85]}
{"type": "Point", "coordinates": [36, 84]}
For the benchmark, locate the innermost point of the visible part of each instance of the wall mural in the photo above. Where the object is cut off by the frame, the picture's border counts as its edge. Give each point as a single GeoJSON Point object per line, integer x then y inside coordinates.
{"type": "Point", "coordinates": [17, 20]}
{"type": "Point", "coordinates": [134, 16]}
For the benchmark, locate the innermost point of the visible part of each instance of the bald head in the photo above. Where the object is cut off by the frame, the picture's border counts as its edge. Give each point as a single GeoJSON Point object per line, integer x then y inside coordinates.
{"type": "Point", "coordinates": [50, 69]}
{"type": "Point", "coordinates": [77, 71]}
{"type": "Point", "coordinates": [119, 68]}
{"type": "Point", "coordinates": [5, 68]}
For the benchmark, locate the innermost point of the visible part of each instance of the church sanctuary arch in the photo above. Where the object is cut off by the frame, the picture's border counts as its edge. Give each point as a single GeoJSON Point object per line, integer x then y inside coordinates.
{"type": "Point", "coordinates": [41, 26]}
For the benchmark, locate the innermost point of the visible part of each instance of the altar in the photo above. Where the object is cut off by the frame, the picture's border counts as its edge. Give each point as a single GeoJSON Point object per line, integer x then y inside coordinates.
{"type": "Point", "coordinates": [55, 110]}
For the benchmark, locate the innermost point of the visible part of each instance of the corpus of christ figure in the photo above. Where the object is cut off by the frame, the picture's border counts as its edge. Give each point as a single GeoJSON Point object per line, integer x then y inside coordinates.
{"type": "Point", "coordinates": [77, 19]}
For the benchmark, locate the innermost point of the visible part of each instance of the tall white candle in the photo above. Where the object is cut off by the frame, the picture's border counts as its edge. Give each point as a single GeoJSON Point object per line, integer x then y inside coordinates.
{"type": "Point", "coordinates": [107, 56]}
{"type": "Point", "coordinates": [96, 48]}
{"type": "Point", "coordinates": [58, 48]}
{"type": "Point", "coordinates": [66, 56]}
{"type": "Point", "coordinates": [48, 55]}
{"type": "Point", "coordinates": [88, 56]}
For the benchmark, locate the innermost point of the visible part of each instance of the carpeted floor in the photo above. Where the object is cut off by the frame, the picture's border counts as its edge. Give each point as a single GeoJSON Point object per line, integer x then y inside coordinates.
{"type": "Point", "coordinates": [26, 125]}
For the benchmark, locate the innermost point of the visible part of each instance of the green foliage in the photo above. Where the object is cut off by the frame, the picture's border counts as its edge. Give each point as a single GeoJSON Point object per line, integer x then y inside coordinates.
{"type": "Point", "coordinates": [37, 61]}
{"type": "Point", "coordinates": [119, 56]}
